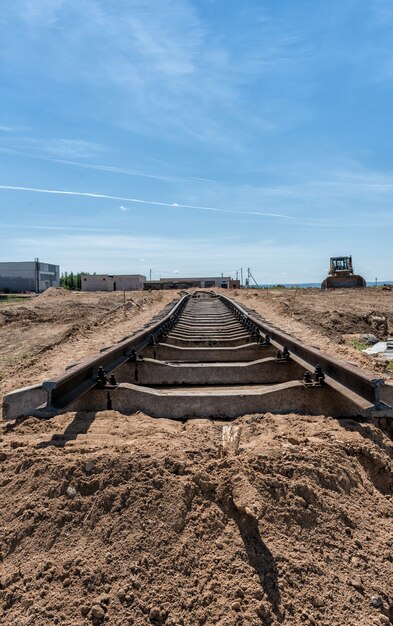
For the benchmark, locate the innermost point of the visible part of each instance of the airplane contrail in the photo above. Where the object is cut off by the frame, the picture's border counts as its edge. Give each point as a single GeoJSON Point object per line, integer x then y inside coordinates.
{"type": "Point", "coordinates": [173, 205]}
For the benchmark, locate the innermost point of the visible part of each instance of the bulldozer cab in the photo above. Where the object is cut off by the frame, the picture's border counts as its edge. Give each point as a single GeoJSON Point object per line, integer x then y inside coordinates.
{"type": "Point", "coordinates": [339, 264]}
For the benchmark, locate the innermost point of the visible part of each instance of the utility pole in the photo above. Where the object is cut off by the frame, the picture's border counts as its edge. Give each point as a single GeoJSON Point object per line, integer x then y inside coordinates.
{"type": "Point", "coordinates": [249, 275]}
{"type": "Point", "coordinates": [150, 275]}
{"type": "Point", "coordinates": [241, 277]}
{"type": "Point", "coordinates": [37, 275]}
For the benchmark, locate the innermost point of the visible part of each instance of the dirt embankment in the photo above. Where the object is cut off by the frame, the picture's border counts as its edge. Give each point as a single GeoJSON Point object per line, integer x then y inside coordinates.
{"type": "Point", "coordinates": [40, 338]}
{"type": "Point", "coordinates": [131, 520]}
{"type": "Point", "coordinates": [325, 318]}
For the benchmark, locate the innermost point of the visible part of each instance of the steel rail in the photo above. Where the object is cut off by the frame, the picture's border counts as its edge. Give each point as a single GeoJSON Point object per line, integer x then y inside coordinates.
{"type": "Point", "coordinates": [82, 377]}
{"type": "Point", "coordinates": [360, 386]}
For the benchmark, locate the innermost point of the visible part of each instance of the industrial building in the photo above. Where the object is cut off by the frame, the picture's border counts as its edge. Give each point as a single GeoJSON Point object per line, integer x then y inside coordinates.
{"type": "Point", "coordinates": [109, 282]}
{"type": "Point", "coordinates": [225, 282]}
{"type": "Point", "coordinates": [22, 276]}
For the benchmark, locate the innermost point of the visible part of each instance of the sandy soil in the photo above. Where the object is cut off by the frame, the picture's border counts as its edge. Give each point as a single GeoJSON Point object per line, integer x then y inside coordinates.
{"type": "Point", "coordinates": [328, 319]}
{"type": "Point", "coordinates": [128, 520]}
{"type": "Point", "coordinates": [40, 338]}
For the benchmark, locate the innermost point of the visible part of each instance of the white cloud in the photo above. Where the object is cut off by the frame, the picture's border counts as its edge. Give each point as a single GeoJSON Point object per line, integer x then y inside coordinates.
{"type": "Point", "coordinates": [51, 146]}
{"type": "Point", "coordinates": [164, 66]}
{"type": "Point", "coordinates": [117, 252]}
{"type": "Point", "coordinates": [11, 129]}
{"type": "Point", "coordinates": [44, 227]}
{"type": "Point", "coordinates": [137, 173]}
{"type": "Point", "coordinates": [190, 256]}
{"type": "Point", "coordinates": [37, 13]}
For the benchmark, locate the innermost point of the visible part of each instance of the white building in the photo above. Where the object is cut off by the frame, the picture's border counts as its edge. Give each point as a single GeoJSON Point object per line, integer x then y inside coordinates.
{"type": "Point", "coordinates": [108, 282]}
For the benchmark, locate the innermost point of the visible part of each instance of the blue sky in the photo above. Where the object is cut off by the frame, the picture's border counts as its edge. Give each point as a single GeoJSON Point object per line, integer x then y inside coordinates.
{"type": "Point", "coordinates": [197, 137]}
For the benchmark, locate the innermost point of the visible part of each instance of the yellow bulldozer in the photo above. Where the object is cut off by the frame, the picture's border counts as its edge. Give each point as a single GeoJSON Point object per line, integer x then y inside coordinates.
{"type": "Point", "coordinates": [341, 274]}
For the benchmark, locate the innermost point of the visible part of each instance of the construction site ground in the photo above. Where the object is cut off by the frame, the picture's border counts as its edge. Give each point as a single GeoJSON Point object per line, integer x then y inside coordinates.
{"type": "Point", "coordinates": [130, 520]}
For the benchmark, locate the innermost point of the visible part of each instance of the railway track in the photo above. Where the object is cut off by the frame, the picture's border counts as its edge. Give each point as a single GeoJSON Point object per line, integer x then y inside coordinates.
{"type": "Point", "coordinates": [206, 356]}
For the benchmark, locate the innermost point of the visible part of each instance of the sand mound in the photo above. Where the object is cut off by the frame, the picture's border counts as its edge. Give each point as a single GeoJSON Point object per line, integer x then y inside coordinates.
{"type": "Point", "coordinates": [140, 522]}
{"type": "Point", "coordinates": [54, 292]}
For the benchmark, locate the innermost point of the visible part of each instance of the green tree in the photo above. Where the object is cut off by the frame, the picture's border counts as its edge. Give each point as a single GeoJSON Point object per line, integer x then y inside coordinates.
{"type": "Point", "coordinates": [71, 281]}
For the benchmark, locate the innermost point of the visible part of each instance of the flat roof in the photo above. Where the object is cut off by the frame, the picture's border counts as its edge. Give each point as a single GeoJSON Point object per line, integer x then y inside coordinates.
{"type": "Point", "coordinates": [115, 275]}
{"type": "Point", "coordinates": [171, 280]}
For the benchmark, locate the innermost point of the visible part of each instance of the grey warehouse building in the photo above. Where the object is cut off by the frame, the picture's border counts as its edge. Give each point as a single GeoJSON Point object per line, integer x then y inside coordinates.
{"type": "Point", "coordinates": [20, 276]}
